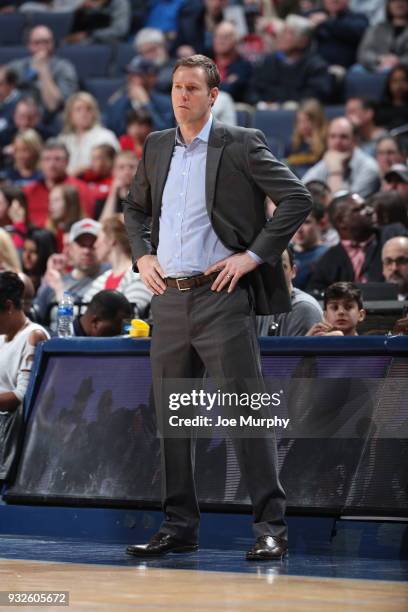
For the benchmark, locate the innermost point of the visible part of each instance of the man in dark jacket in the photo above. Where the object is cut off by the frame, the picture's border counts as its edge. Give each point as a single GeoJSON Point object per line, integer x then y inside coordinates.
{"type": "Point", "coordinates": [294, 71]}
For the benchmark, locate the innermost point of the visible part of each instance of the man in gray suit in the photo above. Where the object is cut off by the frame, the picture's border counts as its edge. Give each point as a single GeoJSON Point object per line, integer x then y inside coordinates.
{"type": "Point", "coordinates": [214, 261]}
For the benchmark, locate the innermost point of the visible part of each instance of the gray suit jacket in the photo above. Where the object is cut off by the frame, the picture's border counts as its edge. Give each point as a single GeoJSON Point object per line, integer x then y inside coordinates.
{"type": "Point", "coordinates": [240, 171]}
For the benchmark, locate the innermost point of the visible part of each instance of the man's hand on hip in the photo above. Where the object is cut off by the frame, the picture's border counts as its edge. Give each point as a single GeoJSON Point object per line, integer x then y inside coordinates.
{"type": "Point", "coordinates": [151, 273]}
{"type": "Point", "coordinates": [231, 269]}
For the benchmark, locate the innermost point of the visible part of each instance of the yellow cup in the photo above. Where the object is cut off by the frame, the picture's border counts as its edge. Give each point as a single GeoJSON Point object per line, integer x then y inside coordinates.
{"type": "Point", "coordinates": [139, 329]}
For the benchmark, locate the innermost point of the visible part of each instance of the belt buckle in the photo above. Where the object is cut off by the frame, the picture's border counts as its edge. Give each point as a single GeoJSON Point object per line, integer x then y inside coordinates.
{"type": "Point", "coordinates": [182, 288]}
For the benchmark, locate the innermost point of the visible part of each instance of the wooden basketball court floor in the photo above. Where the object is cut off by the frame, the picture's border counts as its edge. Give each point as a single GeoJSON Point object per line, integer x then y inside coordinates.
{"type": "Point", "coordinates": [107, 579]}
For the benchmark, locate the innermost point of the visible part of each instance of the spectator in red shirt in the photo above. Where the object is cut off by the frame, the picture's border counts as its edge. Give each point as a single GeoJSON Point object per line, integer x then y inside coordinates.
{"type": "Point", "coordinates": [54, 163]}
{"type": "Point", "coordinates": [99, 175]}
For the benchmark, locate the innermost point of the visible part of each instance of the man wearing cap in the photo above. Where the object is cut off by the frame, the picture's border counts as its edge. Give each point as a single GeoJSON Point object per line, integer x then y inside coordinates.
{"type": "Point", "coordinates": [396, 179]}
{"type": "Point", "coordinates": [141, 93]}
{"type": "Point", "coordinates": [85, 268]}
{"type": "Point", "coordinates": [214, 260]}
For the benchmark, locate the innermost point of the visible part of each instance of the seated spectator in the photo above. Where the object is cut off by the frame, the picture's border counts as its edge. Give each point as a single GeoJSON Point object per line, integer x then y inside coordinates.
{"type": "Point", "coordinates": [357, 257]}
{"type": "Point", "coordinates": [396, 179]}
{"type": "Point", "coordinates": [50, 79]}
{"type": "Point", "coordinates": [124, 169]}
{"type": "Point", "coordinates": [100, 21]}
{"type": "Point", "coordinates": [64, 209]}
{"type": "Point", "coordinates": [13, 214]}
{"type": "Point", "coordinates": [343, 311]}
{"type": "Point", "coordinates": [105, 315]}
{"type": "Point", "coordinates": [395, 264]}
{"type": "Point", "coordinates": [362, 113]}
{"type": "Point", "coordinates": [235, 71]}
{"type": "Point", "coordinates": [385, 44]}
{"type": "Point", "coordinates": [338, 32]}
{"type": "Point", "coordinates": [308, 247]}
{"type": "Point", "coordinates": [26, 151]}
{"type": "Point", "coordinates": [9, 259]}
{"type": "Point", "coordinates": [294, 71]}
{"type": "Point", "coordinates": [112, 246]}
{"type": "Point", "coordinates": [197, 21]}
{"type": "Point", "coordinates": [83, 130]}
{"type": "Point", "coordinates": [139, 124]}
{"type": "Point", "coordinates": [84, 269]}
{"type": "Point", "coordinates": [344, 165]}
{"type": "Point", "coordinates": [389, 207]}
{"type": "Point", "coordinates": [141, 94]}
{"type": "Point", "coordinates": [27, 116]}
{"type": "Point", "coordinates": [9, 96]}
{"type": "Point", "coordinates": [18, 339]}
{"type": "Point", "coordinates": [388, 151]}
{"type": "Point", "coordinates": [99, 175]}
{"type": "Point", "coordinates": [305, 309]}
{"type": "Point", "coordinates": [309, 137]}
{"type": "Point", "coordinates": [393, 107]}
{"type": "Point", "coordinates": [322, 196]}
{"type": "Point", "coordinates": [54, 164]}
{"type": "Point", "coordinates": [151, 44]}
{"type": "Point", "coordinates": [38, 247]}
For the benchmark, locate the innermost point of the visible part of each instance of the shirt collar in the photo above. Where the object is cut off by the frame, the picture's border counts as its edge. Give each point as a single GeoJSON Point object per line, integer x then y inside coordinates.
{"type": "Point", "coordinates": [203, 135]}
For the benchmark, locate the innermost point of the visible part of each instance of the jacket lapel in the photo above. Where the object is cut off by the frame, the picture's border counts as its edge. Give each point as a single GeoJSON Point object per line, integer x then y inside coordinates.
{"type": "Point", "coordinates": [216, 144]}
{"type": "Point", "coordinates": [164, 156]}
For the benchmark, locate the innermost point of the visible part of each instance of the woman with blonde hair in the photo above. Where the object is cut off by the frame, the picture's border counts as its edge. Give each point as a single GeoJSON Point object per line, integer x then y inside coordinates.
{"type": "Point", "coordinates": [64, 209]}
{"type": "Point", "coordinates": [26, 150]}
{"type": "Point", "coordinates": [9, 259]}
{"type": "Point", "coordinates": [309, 137]}
{"type": "Point", "coordinates": [112, 246]}
{"type": "Point", "coordinates": [83, 130]}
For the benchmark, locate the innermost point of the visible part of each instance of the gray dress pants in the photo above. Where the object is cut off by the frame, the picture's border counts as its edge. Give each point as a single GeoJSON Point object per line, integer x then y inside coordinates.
{"type": "Point", "coordinates": [198, 329]}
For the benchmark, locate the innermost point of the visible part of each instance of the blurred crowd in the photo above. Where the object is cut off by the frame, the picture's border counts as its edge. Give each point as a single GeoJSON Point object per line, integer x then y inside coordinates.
{"type": "Point", "coordinates": [69, 145]}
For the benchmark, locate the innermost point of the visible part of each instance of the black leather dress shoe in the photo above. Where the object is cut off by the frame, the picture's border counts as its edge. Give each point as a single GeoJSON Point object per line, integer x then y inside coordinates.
{"type": "Point", "coordinates": [267, 548]}
{"type": "Point", "coordinates": [159, 545]}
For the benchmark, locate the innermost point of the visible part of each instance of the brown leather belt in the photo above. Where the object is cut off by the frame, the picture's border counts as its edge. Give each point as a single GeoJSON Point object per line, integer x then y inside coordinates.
{"type": "Point", "coordinates": [185, 283]}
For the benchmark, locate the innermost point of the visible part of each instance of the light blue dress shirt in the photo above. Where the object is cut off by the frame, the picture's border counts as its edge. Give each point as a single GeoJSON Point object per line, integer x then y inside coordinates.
{"type": "Point", "coordinates": [188, 244]}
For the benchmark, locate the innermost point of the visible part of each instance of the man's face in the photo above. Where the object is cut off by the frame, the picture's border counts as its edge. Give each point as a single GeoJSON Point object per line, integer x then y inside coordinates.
{"type": "Point", "coordinates": [356, 113]}
{"type": "Point", "coordinates": [41, 40]}
{"type": "Point", "coordinates": [224, 39]}
{"type": "Point", "coordinates": [26, 116]}
{"type": "Point", "coordinates": [191, 97]}
{"type": "Point", "coordinates": [5, 88]}
{"type": "Point", "coordinates": [395, 263]}
{"type": "Point", "coordinates": [360, 218]}
{"type": "Point", "coordinates": [105, 328]}
{"type": "Point", "coordinates": [100, 162]}
{"type": "Point", "coordinates": [54, 164]}
{"type": "Point", "coordinates": [387, 154]}
{"type": "Point", "coordinates": [340, 136]}
{"type": "Point", "coordinates": [344, 315]}
{"type": "Point", "coordinates": [155, 52]}
{"type": "Point", "coordinates": [124, 170]}
{"type": "Point", "coordinates": [308, 234]}
{"type": "Point", "coordinates": [82, 253]}
{"type": "Point", "coordinates": [396, 183]}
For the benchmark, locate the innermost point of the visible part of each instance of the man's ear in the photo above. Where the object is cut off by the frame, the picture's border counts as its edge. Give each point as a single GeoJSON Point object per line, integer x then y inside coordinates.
{"type": "Point", "coordinates": [213, 95]}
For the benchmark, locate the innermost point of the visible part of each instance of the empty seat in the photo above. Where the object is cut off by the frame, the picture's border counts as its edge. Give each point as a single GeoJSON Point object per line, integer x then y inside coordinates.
{"type": "Point", "coordinates": [59, 23]}
{"type": "Point", "coordinates": [8, 54]}
{"type": "Point", "coordinates": [244, 114]}
{"type": "Point", "coordinates": [277, 125]}
{"type": "Point", "coordinates": [12, 27]}
{"type": "Point", "coordinates": [90, 61]}
{"type": "Point", "coordinates": [364, 85]}
{"type": "Point", "coordinates": [102, 89]}
{"type": "Point", "coordinates": [125, 52]}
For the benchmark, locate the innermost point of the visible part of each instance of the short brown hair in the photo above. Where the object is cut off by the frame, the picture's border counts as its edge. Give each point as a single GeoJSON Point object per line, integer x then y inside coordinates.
{"type": "Point", "coordinates": [204, 62]}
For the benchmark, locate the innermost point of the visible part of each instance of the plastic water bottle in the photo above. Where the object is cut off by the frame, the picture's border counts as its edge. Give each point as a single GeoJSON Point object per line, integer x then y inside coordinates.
{"type": "Point", "coordinates": [65, 316]}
